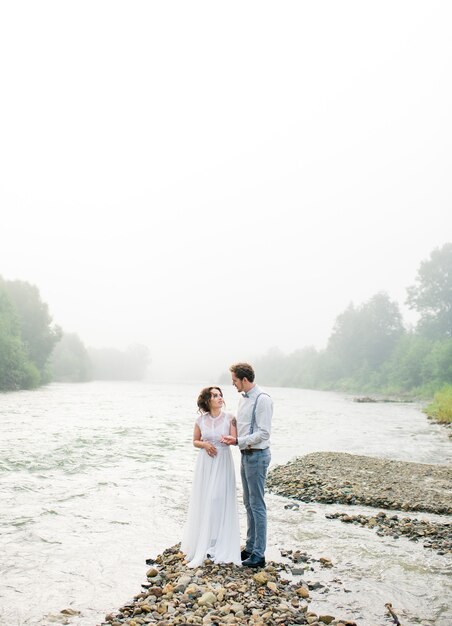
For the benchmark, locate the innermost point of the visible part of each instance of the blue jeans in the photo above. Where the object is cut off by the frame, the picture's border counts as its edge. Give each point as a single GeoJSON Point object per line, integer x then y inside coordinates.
{"type": "Point", "coordinates": [253, 470]}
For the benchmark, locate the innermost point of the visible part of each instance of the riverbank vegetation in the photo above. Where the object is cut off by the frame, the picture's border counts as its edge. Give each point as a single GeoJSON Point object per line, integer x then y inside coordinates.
{"type": "Point", "coordinates": [440, 409]}
{"type": "Point", "coordinates": [27, 336]}
{"type": "Point", "coordinates": [34, 351]}
{"type": "Point", "coordinates": [370, 348]}
{"type": "Point", "coordinates": [71, 361]}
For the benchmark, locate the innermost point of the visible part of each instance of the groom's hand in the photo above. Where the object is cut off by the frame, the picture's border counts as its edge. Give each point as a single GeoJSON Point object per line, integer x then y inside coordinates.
{"type": "Point", "coordinates": [229, 440]}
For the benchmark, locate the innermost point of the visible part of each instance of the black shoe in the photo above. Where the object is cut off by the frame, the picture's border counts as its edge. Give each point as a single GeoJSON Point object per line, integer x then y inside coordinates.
{"type": "Point", "coordinates": [244, 554]}
{"type": "Point", "coordinates": [254, 561]}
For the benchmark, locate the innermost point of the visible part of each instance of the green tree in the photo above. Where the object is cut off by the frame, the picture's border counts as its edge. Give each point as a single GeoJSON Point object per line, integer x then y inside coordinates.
{"type": "Point", "coordinates": [364, 337]}
{"type": "Point", "coordinates": [406, 369]}
{"type": "Point", "coordinates": [70, 361]}
{"type": "Point", "coordinates": [16, 372]}
{"type": "Point", "coordinates": [431, 295]}
{"type": "Point", "coordinates": [301, 369]}
{"type": "Point", "coordinates": [438, 363]}
{"type": "Point", "coordinates": [38, 335]}
{"type": "Point", "coordinates": [270, 366]}
{"type": "Point", "coordinates": [344, 342]}
{"type": "Point", "coordinates": [381, 328]}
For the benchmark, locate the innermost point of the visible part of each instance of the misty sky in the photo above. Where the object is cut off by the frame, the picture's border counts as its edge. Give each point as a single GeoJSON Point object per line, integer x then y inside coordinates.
{"type": "Point", "coordinates": [214, 179]}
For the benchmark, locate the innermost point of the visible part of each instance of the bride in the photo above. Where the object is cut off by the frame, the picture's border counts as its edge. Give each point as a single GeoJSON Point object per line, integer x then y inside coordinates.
{"type": "Point", "coordinates": [212, 527]}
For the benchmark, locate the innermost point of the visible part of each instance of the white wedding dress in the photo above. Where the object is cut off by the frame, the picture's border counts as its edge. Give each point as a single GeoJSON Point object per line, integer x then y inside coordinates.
{"type": "Point", "coordinates": [212, 527]}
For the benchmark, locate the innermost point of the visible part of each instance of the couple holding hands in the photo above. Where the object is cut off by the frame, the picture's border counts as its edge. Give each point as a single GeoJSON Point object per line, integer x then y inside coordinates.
{"type": "Point", "coordinates": [212, 527]}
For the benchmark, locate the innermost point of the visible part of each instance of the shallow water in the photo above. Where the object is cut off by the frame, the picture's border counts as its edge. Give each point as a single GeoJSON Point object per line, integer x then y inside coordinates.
{"type": "Point", "coordinates": [94, 478]}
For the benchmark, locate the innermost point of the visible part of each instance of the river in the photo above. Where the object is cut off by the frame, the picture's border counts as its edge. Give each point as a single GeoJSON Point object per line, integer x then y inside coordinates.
{"type": "Point", "coordinates": [95, 478]}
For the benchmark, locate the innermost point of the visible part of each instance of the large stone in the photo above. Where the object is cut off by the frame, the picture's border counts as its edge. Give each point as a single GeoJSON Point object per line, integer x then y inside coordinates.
{"type": "Point", "coordinates": [152, 572]}
{"type": "Point", "coordinates": [302, 592]}
{"type": "Point", "coordinates": [207, 598]}
{"type": "Point", "coordinates": [261, 577]}
{"type": "Point", "coordinates": [70, 612]}
{"type": "Point", "coordinates": [162, 607]}
{"type": "Point", "coordinates": [168, 588]}
{"type": "Point", "coordinates": [326, 619]}
{"type": "Point", "coordinates": [155, 591]}
{"type": "Point", "coordinates": [184, 580]}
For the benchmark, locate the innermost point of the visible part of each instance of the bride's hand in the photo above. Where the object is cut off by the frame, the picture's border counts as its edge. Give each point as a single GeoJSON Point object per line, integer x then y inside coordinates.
{"type": "Point", "coordinates": [210, 449]}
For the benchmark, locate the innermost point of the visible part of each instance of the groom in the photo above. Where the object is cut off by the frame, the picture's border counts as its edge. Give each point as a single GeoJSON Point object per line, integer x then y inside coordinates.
{"type": "Point", "coordinates": [254, 418]}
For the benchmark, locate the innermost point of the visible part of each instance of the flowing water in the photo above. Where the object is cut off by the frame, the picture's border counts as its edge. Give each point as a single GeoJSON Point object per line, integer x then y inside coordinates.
{"type": "Point", "coordinates": [95, 478]}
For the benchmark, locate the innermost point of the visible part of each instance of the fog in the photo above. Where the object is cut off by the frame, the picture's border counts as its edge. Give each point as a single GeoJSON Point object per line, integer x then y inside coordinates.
{"type": "Point", "coordinates": [215, 179]}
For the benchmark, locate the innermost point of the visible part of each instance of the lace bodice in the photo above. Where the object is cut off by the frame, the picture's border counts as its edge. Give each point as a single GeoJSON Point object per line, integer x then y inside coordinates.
{"type": "Point", "coordinates": [213, 428]}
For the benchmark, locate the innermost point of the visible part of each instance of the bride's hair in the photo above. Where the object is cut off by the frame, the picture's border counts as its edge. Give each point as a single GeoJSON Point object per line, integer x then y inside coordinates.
{"type": "Point", "coordinates": [204, 399]}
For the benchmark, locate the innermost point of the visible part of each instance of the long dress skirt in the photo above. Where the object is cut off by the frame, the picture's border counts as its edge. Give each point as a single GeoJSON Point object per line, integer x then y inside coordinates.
{"type": "Point", "coordinates": [212, 528]}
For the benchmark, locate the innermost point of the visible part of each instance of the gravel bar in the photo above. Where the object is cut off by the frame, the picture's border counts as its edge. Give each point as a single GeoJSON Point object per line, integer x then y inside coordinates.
{"type": "Point", "coordinates": [338, 477]}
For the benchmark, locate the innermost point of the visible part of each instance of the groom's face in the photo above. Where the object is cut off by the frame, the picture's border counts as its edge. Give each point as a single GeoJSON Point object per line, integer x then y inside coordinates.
{"type": "Point", "coordinates": [238, 384]}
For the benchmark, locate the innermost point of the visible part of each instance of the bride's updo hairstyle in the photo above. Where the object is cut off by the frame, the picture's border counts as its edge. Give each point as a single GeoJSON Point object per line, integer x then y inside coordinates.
{"type": "Point", "coordinates": [204, 399]}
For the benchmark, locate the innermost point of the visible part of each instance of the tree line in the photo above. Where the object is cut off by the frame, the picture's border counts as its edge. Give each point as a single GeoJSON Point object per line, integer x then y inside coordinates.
{"type": "Point", "coordinates": [370, 349]}
{"type": "Point", "coordinates": [35, 351]}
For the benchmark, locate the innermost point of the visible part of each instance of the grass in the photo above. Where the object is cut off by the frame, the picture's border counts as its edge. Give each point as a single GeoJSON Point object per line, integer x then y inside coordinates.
{"type": "Point", "coordinates": [441, 408]}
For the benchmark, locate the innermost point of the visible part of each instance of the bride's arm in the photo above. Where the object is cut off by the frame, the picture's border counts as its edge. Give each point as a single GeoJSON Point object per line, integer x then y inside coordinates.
{"type": "Point", "coordinates": [199, 443]}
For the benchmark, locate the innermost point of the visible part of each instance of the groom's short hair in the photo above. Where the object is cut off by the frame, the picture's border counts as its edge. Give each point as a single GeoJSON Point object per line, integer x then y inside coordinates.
{"type": "Point", "coordinates": [243, 370]}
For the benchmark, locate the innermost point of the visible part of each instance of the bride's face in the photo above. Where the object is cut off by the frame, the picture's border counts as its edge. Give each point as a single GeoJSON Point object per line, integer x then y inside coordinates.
{"type": "Point", "coordinates": [216, 400]}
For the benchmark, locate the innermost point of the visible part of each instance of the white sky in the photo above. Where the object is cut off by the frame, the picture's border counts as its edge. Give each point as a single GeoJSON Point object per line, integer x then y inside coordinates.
{"type": "Point", "coordinates": [214, 179]}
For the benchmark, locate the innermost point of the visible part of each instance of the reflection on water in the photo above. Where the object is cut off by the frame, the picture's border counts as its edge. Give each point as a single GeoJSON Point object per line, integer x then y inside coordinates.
{"type": "Point", "coordinates": [94, 478]}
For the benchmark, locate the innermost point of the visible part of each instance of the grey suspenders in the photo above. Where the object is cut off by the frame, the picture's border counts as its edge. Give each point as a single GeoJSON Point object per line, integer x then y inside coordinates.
{"type": "Point", "coordinates": [253, 417]}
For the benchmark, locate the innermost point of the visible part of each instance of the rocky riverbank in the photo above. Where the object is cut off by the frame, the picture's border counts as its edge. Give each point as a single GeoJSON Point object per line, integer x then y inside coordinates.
{"type": "Point", "coordinates": [434, 535]}
{"type": "Point", "coordinates": [279, 594]}
{"type": "Point", "coordinates": [336, 477]}
{"type": "Point", "coordinates": [223, 595]}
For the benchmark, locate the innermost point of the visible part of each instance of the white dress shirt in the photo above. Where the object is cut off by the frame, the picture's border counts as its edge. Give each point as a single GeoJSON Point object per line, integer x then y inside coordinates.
{"type": "Point", "coordinates": [260, 438]}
